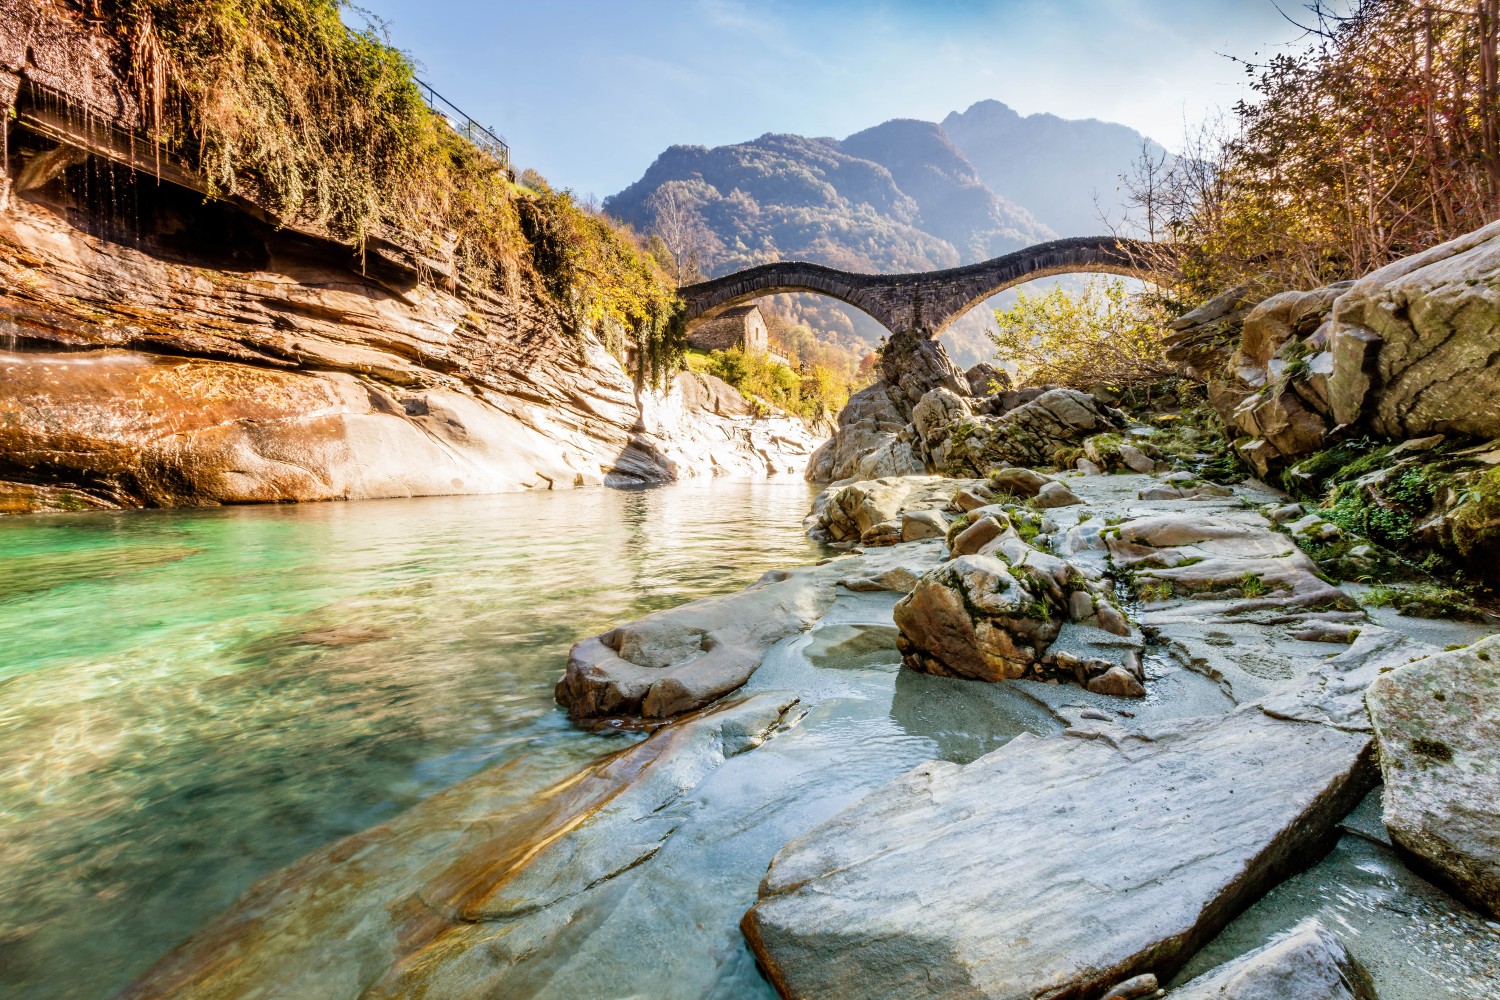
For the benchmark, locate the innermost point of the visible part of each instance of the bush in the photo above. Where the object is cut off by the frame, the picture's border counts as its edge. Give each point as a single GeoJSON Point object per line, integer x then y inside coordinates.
{"type": "Point", "coordinates": [279, 102]}
{"type": "Point", "coordinates": [758, 376]}
{"type": "Point", "coordinates": [1104, 336]}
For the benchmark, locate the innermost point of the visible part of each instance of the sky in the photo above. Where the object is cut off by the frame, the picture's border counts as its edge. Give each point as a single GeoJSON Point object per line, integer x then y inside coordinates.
{"type": "Point", "coordinates": [590, 91]}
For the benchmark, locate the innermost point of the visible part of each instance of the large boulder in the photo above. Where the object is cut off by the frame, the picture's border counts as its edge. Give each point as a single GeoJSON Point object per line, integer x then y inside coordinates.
{"type": "Point", "coordinates": [994, 611]}
{"type": "Point", "coordinates": [869, 442]}
{"type": "Point", "coordinates": [1438, 726]}
{"type": "Point", "coordinates": [1308, 963]}
{"type": "Point", "coordinates": [1054, 867]}
{"type": "Point", "coordinates": [973, 618]}
{"type": "Point", "coordinates": [1415, 342]}
{"type": "Point", "coordinates": [933, 418]}
{"type": "Point", "coordinates": [680, 659]}
{"type": "Point", "coordinates": [1034, 433]}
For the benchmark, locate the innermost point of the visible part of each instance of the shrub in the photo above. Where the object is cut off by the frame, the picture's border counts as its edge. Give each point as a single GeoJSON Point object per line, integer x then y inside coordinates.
{"type": "Point", "coordinates": [279, 102]}
{"type": "Point", "coordinates": [1103, 336]}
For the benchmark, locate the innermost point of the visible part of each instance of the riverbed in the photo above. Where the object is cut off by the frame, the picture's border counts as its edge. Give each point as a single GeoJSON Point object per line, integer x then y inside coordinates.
{"type": "Point", "coordinates": [190, 700]}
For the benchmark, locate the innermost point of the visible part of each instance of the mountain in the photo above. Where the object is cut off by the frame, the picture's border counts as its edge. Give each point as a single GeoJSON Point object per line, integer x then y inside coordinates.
{"type": "Point", "coordinates": [1051, 165]}
{"type": "Point", "coordinates": [953, 202]}
{"type": "Point", "coordinates": [839, 203]}
{"type": "Point", "coordinates": [905, 195]}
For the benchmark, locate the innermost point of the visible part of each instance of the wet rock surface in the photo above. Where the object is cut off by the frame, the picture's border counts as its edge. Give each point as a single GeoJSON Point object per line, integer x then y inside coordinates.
{"type": "Point", "coordinates": [683, 658]}
{"type": "Point", "coordinates": [469, 893]}
{"type": "Point", "coordinates": [1092, 857]}
{"type": "Point", "coordinates": [1309, 963]}
{"type": "Point", "coordinates": [1438, 726]}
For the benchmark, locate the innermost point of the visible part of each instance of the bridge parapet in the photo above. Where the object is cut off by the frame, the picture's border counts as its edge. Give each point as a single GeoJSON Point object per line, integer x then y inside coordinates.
{"type": "Point", "coordinates": [928, 301]}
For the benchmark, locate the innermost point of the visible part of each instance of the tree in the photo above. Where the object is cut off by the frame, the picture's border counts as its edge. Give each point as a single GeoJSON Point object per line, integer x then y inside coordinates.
{"type": "Point", "coordinates": [1380, 139]}
{"type": "Point", "coordinates": [679, 225]}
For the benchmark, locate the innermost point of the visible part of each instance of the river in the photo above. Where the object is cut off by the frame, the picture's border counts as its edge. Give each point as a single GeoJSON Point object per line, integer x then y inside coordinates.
{"type": "Point", "coordinates": [192, 699]}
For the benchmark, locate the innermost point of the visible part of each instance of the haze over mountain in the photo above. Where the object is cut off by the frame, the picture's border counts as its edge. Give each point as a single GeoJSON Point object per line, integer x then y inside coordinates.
{"type": "Point", "coordinates": [1054, 166]}
{"type": "Point", "coordinates": [905, 195]}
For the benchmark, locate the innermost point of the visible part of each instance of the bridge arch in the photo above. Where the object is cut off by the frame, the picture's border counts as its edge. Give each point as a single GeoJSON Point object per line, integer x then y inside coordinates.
{"type": "Point", "coordinates": [926, 300]}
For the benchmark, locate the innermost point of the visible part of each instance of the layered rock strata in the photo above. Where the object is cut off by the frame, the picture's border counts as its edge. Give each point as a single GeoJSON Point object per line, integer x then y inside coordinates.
{"type": "Point", "coordinates": [164, 348]}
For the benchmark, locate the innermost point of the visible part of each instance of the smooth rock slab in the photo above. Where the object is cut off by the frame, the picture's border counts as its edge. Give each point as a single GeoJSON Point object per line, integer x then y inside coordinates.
{"type": "Point", "coordinates": [1309, 963]}
{"type": "Point", "coordinates": [1438, 725]}
{"type": "Point", "coordinates": [1054, 867]}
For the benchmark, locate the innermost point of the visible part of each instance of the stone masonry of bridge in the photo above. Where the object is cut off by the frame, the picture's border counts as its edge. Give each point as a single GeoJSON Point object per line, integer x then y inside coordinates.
{"type": "Point", "coordinates": [926, 301]}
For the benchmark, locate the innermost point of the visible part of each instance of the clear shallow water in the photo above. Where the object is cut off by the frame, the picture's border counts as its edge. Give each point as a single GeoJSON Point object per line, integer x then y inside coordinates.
{"type": "Point", "coordinates": [192, 699]}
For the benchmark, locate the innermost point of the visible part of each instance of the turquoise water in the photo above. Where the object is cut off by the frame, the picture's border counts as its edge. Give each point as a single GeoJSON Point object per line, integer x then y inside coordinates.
{"type": "Point", "coordinates": [192, 699]}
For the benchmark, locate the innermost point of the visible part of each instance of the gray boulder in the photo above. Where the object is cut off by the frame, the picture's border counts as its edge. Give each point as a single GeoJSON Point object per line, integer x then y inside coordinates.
{"type": "Point", "coordinates": [1054, 867]}
{"type": "Point", "coordinates": [1438, 726]}
{"type": "Point", "coordinates": [1414, 342]}
{"type": "Point", "coordinates": [1308, 963]}
{"type": "Point", "coordinates": [680, 659]}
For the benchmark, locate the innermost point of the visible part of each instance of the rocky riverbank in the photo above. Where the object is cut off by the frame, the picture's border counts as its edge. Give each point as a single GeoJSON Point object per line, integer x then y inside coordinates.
{"type": "Point", "coordinates": [1152, 736]}
{"type": "Point", "coordinates": [1117, 837]}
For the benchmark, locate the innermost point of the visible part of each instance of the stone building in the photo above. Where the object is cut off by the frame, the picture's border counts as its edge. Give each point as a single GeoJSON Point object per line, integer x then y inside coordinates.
{"type": "Point", "coordinates": [737, 326]}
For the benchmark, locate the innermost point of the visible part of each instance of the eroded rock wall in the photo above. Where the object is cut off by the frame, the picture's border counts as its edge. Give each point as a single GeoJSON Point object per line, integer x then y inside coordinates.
{"type": "Point", "coordinates": [220, 361]}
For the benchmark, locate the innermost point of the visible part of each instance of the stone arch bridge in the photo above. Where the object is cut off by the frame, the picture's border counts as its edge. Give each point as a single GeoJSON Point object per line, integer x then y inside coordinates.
{"type": "Point", "coordinates": [927, 301]}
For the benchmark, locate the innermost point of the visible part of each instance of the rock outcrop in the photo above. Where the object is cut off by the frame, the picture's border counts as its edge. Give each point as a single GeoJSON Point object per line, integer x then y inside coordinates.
{"type": "Point", "coordinates": [925, 416]}
{"type": "Point", "coordinates": [1058, 866]}
{"type": "Point", "coordinates": [1438, 726]}
{"type": "Point", "coordinates": [677, 660]}
{"type": "Point", "coordinates": [143, 381]}
{"type": "Point", "coordinates": [1308, 963]}
{"type": "Point", "coordinates": [995, 609]}
{"type": "Point", "coordinates": [885, 511]}
{"type": "Point", "coordinates": [1406, 351]}
{"type": "Point", "coordinates": [162, 347]}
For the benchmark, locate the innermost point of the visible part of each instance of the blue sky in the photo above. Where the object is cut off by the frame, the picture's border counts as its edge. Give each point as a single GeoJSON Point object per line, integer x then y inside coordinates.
{"type": "Point", "coordinates": [590, 92]}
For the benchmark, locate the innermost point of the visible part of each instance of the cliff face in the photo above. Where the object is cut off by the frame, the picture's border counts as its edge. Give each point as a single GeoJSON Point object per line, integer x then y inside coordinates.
{"type": "Point", "coordinates": [161, 350]}
{"type": "Point", "coordinates": [139, 380]}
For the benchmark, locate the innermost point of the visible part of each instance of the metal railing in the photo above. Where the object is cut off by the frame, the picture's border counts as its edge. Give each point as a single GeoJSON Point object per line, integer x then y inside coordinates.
{"type": "Point", "coordinates": [467, 127]}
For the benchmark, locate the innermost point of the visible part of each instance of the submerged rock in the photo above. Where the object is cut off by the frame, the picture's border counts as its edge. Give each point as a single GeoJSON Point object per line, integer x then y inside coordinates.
{"type": "Point", "coordinates": [480, 890]}
{"type": "Point", "coordinates": [1055, 867]}
{"type": "Point", "coordinates": [1309, 963]}
{"type": "Point", "coordinates": [1438, 726]}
